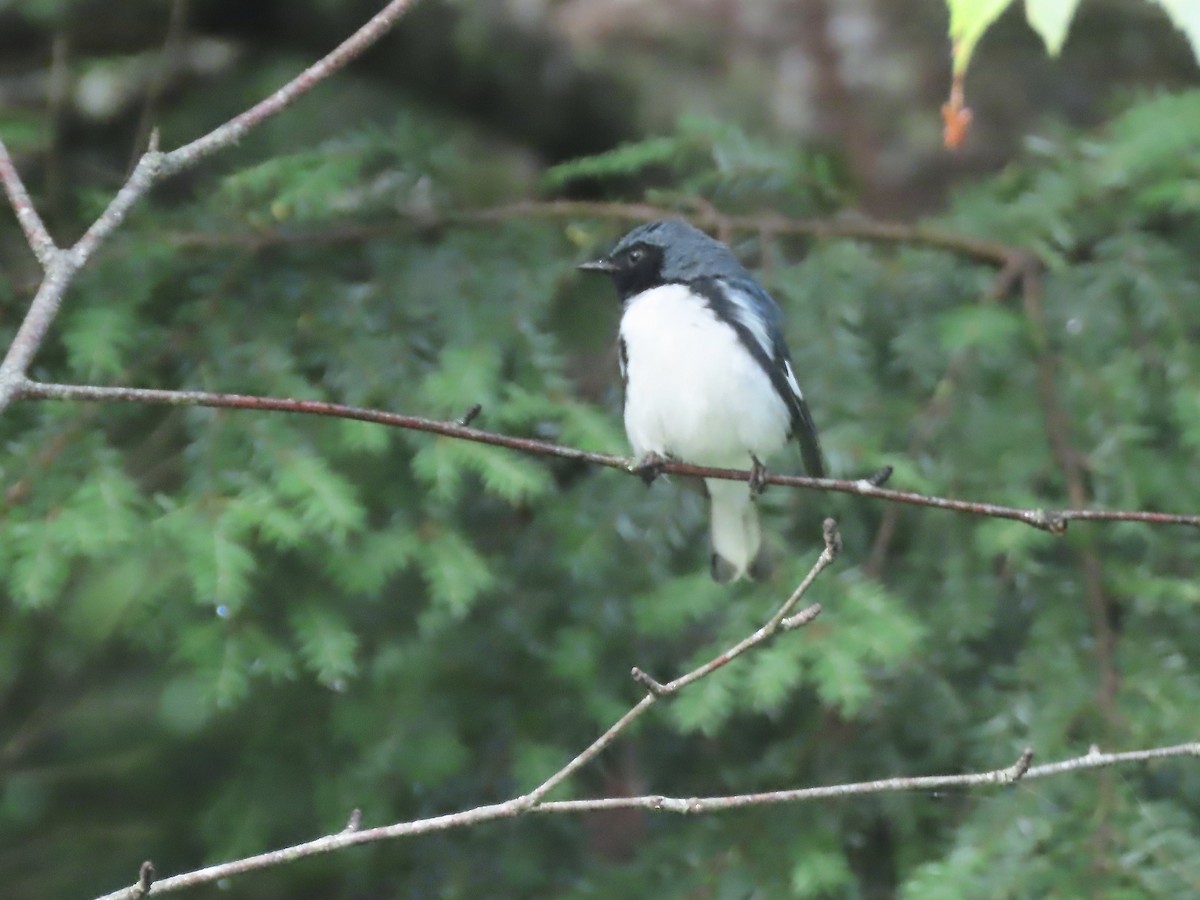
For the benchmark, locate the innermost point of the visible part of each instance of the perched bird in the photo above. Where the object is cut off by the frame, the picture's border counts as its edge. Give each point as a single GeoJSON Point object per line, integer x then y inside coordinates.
{"type": "Point", "coordinates": [708, 379]}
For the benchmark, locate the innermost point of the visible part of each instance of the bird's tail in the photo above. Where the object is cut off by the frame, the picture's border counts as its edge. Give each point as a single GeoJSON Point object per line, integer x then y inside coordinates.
{"type": "Point", "coordinates": [737, 545]}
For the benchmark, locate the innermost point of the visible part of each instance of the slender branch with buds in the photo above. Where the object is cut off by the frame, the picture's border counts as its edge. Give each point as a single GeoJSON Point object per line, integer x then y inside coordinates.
{"type": "Point", "coordinates": [534, 801]}
{"type": "Point", "coordinates": [782, 621]}
{"type": "Point", "coordinates": [1054, 521]}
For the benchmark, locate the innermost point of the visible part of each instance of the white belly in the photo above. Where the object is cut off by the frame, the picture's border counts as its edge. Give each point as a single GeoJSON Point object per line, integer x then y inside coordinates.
{"type": "Point", "coordinates": [692, 390]}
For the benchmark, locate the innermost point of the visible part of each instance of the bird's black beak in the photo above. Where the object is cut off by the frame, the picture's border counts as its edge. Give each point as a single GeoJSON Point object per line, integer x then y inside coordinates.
{"type": "Point", "coordinates": [604, 264]}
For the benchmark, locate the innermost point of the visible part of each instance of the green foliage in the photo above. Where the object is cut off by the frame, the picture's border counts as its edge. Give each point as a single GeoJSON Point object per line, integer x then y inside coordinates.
{"type": "Point", "coordinates": [327, 645]}
{"type": "Point", "coordinates": [1051, 19]}
{"type": "Point", "coordinates": [270, 620]}
{"type": "Point", "coordinates": [718, 160]}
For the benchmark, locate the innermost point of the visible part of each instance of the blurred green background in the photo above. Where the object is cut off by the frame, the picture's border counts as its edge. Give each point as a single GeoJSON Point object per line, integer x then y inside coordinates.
{"type": "Point", "coordinates": [222, 631]}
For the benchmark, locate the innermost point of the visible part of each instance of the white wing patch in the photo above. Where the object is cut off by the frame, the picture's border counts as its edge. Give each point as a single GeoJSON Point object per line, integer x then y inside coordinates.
{"type": "Point", "coordinates": [753, 322]}
{"type": "Point", "coordinates": [791, 380]}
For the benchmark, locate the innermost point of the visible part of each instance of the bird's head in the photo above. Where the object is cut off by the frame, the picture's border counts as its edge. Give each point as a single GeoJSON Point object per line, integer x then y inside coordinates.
{"type": "Point", "coordinates": [666, 252]}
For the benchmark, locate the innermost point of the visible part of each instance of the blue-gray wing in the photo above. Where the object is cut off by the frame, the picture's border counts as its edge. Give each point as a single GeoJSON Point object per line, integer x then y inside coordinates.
{"type": "Point", "coordinates": [756, 318]}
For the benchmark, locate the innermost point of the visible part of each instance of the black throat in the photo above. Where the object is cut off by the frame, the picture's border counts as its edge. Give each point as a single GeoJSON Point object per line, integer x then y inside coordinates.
{"type": "Point", "coordinates": [632, 277]}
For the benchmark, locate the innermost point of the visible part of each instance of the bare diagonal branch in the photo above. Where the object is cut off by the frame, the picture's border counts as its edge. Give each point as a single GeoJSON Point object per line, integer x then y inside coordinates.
{"type": "Point", "coordinates": [61, 266]}
{"type": "Point", "coordinates": [233, 130]}
{"type": "Point", "coordinates": [140, 180]}
{"type": "Point", "coordinates": [658, 691]}
{"type": "Point", "coordinates": [39, 238]}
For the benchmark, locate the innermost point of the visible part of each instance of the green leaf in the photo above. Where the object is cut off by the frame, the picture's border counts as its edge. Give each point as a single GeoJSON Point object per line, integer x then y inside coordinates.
{"type": "Point", "coordinates": [231, 679]}
{"type": "Point", "coordinates": [327, 644]}
{"type": "Point", "coordinates": [184, 705]}
{"type": "Point", "coordinates": [38, 570]}
{"type": "Point", "coordinates": [978, 326]}
{"type": "Point", "coordinates": [821, 868]}
{"type": "Point", "coordinates": [98, 338]}
{"type": "Point", "coordinates": [676, 602]}
{"type": "Point", "coordinates": [627, 159]}
{"type": "Point", "coordinates": [327, 500]}
{"type": "Point", "coordinates": [464, 376]}
{"type": "Point", "coordinates": [773, 674]}
{"type": "Point", "coordinates": [505, 473]}
{"type": "Point", "coordinates": [101, 515]}
{"type": "Point", "coordinates": [590, 428]}
{"type": "Point", "coordinates": [706, 705]}
{"type": "Point", "coordinates": [219, 565]}
{"type": "Point", "coordinates": [260, 508]}
{"type": "Point", "coordinates": [1051, 19]}
{"type": "Point", "coordinates": [365, 437]}
{"type": "Point", "coordinates": [456, 573]}
{"type": "Point", "coordinates": [107, 593]}
{"type": "Point", "coordinates": [439, 465]}
{"type": "Point", "coordinates": [841, 678]}
{"type": "Point", "coordinates": [219, 660]}
{"type": "Point", "coordinates": [364, 564]}
{"type": "Point", "coordinates": [969, 19]}
{"type": "Point", "coordinates": [1186, 16]}
{"type": "Point", "coordinates": [24, 130]}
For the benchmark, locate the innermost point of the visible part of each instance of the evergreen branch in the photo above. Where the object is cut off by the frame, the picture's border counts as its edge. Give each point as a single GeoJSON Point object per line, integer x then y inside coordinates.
{"type": "Point", "coordinates": [353, 834]}
{"type": "Point", "coordinates": [780, 621]}
{"type": "Point", "coordinates": [1054, 521]}
{"type": "Point", "coordinates": [1058, 428]}
{"type": "Point", "coordinates": [236, 128]}
{"type": "Point", "coordinates": [996, 253]}
{"type": "Point", "coordinates": [1020, 770]}
{"type": "Point", "coordinates": [61, 266]}
{"type": "Point", "coordinates": [937, 406]}
{"type": "Point", "coordinates": [707, 217]}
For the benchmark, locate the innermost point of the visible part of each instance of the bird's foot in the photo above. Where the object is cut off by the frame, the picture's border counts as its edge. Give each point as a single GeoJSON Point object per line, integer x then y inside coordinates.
{"type": "Point", "coordinates": [758, 477]}
{"type": "Point", "coordinates": [649, 467]}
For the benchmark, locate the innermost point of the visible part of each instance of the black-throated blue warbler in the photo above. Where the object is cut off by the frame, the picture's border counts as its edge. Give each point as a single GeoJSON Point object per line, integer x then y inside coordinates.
{"type": "Point", "coordinates": [708, 377]}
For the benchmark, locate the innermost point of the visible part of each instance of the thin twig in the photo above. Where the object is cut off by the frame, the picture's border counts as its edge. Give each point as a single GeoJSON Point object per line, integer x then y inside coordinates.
{"type": "Point", "coordinates": [1058, 429]}
{"type": "Point", "coordinates": [40, 242]}
{"type": "Point", "coordinates": [703, 215]}
{"type": "Point", "coordinates": [233, 130]}
{"type": "Point", "coordinates": [938, 404]}
{"type": "Point", "coordinates": [145, 880]}
{"type": "Point", "coordinates": [58, 100]}
{"type": "Point", "coordinates": [164, 68]}
{"type": "Point", "coordinates": [781, 621]}
{"type": "Point", "coordinates": [141, 179]}
{"type": "Point", "coordinates": [1070, 462]}
{"type": "Point", "coordinates": [982, 249]}
{"type": "Point", "coordinates": [1053, 521]}
{"type": "Point", "coordinates": [61, 266]}
{"type": "Point", "coordinates": [656, 691]}
{"type": "Point", "coordinates": [352, 834]}
{"type": "Point", "coordinates": [1019, 771]}
{"type": "Point", "coordinates": [37, 321]}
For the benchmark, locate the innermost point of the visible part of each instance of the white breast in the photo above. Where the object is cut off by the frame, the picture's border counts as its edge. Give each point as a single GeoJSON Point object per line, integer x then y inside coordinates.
{"type": "Point", "coordinates": [692, 390]}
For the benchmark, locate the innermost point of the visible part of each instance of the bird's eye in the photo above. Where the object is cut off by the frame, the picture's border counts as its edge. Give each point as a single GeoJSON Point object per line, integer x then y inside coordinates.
{"type": "Point", "coordinates": [636, 255]}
